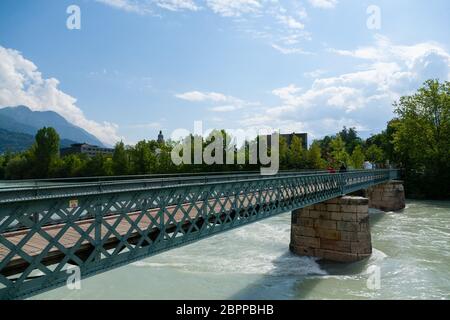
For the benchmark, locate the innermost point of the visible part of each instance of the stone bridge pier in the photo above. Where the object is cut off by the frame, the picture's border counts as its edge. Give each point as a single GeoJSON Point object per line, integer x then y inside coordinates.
{"type": "Point", "coordinates": [387, 196]}
{"type": "Point", "coordinates": [339, 229]}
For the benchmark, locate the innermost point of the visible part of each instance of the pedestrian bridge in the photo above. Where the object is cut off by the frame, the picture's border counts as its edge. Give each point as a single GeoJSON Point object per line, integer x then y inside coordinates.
{"type": "Point", "coordinates": [49, 227]}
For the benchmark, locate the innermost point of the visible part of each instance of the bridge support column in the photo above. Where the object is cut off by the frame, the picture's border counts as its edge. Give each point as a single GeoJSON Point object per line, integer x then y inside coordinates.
{"type": "Point", "coordinates": [336, 230]}
{"type": "Point", "coordinates": [388, 196]}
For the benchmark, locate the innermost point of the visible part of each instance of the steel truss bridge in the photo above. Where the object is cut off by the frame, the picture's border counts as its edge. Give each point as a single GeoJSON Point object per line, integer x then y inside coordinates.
{"type": "Point", "coordinates": [49, 227]}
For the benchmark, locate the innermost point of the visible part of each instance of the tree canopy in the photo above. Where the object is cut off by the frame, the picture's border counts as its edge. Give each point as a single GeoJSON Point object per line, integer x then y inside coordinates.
{"type": "Point", "coordinates": [422, 139]}
{"type": "Point", "coordinates": [418, 140]}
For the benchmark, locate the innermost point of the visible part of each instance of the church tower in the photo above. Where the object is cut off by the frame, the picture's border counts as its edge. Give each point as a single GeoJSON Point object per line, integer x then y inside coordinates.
{"type": "Point", "coordinates": [160, 137]}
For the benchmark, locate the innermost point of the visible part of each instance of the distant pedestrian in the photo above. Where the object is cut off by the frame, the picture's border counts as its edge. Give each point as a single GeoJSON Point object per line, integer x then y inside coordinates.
{"type": "Point", "coordinates": [331, 169]}
{"type": "Point", "coordinates": [367, 165]}
{"type": "Point", "coordinates": [343, 168]}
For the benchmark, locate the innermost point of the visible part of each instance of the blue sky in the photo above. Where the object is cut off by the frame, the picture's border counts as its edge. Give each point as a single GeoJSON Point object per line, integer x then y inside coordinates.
{"type": "Point", "coordinates": [136, 67]}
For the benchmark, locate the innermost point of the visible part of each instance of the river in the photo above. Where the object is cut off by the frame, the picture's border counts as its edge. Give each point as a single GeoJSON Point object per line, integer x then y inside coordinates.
{"type": "Point", "coordinates": [410, 260]}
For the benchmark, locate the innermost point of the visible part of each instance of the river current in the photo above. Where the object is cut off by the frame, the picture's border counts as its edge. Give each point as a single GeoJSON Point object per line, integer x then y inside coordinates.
{"type": "Point", "coordinates": [410, 260]}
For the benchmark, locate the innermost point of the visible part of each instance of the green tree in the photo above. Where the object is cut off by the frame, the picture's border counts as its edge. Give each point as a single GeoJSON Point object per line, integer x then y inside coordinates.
{"type": "Point", "coordinates": [357, 158]}
{"type": "Point", "coordinates": [99, 165]}
{"type": "Point", "coordinates": [120, 159]}
{"type": "Point", "coordinates": [297, 155]}
{"type": "Point", "coordinates": [338, 151]}
{"type": "Point", "coordinates": [284, 153]}
{"type": "Point", "coordinates": [69, 166]}
{"type": "Point", "coordinates": [44, 151]}
{"type": "Point", "coordinates": [142, 159]}
{"type": "Point", "coordinates": [350, 138]}
{"type": "Point", "coordinates": [385, 141]}
{"type": "Point", "coordinates": [3, 164]}
{"type": "Point", "coordinates": [375, 154]}
{"type": "Point", "coordinates": [325, 146]}
{"type": "Point", "coordinates": [422, 139]}
{"type": "Point", "coordinates": [19, 167]}
{"type": "Point", "coordinates": [314, 157]}
{"type": "Point", "coordinates": [165, 164]}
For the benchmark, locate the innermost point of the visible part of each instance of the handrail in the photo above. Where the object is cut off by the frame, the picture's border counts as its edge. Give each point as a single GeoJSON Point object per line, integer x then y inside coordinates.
{"type": "Point", "coordinates": [146, 176]}
{"type": "Point", "coordinates": [27, 193]}
{"type": "Point", "coordinates": [113, 223]}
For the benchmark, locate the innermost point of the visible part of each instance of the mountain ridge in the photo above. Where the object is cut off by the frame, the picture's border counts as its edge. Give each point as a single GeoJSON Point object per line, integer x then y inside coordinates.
{"type": "Point", "coordinates": [17, 142]}
{"type": "Point", "coordinates": [21, 119]}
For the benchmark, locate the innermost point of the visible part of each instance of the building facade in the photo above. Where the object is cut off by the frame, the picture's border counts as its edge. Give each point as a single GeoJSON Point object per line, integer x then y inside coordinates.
{"type": "Point", "coordinates": [84, 148]}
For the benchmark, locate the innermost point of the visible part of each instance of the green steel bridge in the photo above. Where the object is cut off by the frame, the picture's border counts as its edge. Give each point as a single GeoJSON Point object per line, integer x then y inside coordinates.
{"type": "Point", "coordinates": [49, 227]}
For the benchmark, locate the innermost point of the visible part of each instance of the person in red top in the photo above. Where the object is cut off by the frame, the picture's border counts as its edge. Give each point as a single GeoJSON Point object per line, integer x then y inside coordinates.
{"type": "Point", "coordinates": [331, 169]}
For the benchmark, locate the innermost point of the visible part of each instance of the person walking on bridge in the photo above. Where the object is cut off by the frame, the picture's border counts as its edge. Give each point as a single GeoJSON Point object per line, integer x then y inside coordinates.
{"type": "Point", "coordinates": [343, 168]}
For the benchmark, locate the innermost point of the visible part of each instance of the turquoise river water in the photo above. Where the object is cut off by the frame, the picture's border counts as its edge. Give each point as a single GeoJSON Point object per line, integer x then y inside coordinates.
{"type": "Point", "coordinates": [411, 259]}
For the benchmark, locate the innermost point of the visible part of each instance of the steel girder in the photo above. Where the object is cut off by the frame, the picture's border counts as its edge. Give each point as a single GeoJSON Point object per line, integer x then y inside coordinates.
{"type": "Point", "coordinates": [42, 235]}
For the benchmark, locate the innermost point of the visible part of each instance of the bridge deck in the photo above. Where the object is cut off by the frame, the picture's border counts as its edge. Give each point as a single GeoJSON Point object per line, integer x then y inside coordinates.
{"type": "Point", "coordinates": [47, 227]}
{"type": "Point", "coordinates": [37, 244]}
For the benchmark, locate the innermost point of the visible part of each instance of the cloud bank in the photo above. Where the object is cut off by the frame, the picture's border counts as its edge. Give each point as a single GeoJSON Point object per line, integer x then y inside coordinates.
{"type": "Point", "coordinates": [323, 4]}
{"type": "Point", "coordinates": [21, 83]}
{"type": "Point", "coordinates": [362, 98]}
{"type": "Point", "coordinates": [220, 101]}
{"type": "Point", "coordinates": [250, 16]}
{"type": "Point", "coordinates": [148, 6]}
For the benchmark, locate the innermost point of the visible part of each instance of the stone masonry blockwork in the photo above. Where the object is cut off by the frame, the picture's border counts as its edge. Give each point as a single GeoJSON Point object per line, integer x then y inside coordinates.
{"type": "Point", "coordinates": [387, 196]}
{"type": "Point", "coordinates": [337, 230]}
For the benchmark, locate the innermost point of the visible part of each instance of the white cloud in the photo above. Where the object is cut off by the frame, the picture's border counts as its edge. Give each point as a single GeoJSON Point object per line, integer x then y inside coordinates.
{"type": "Point", "coordinates": [226, 108]}
{"type": "Point", "coordinates": [287, 93]}
{"type": "Point", "coordinates": [362, 98]}
{"type": "Point", "coordinates": [324, 4]}
{"type": "Point", "coordinates": [279, 22]}
{"type": "Point", "coordinates": [177, 5]}
{"type": "Point", "coordinates": [290, 50]}
{"type": "Point", "coordinates": [149, 125]}
{"type": "Point", "coordinates": [290, 22]}
{"type": "Point", "coordinates": [234, 8]}
{"type": "Point", "coordinates": [128, 5]}
{"type": "Point", "coordinates": [226, 103]}
{"type": "Point", "coordinates": [197, 96]}
{"type": "Point", "coordinates": [315, 73]}
{"type": "Point", "coordinates": [384, 50]}
{"type": "Point", "coordinates": [22, 84]}
{"type": "Point", "coordinates": [146, 6]}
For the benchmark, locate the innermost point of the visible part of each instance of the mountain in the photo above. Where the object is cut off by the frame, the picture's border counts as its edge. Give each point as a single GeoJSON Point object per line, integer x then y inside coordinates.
{"type": "Point", "coordinates": [14, 141]}
{"type": "Point", "coordinates": [21, 119]}
{"type": "Point", "coordinates": [17, 141]}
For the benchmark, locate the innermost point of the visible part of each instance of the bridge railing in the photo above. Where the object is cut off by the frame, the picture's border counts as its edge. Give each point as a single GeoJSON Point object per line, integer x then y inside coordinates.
{"type": "Point", "coordinates": [14, 190]}
{"type": "Point", "coordinates": [142, 177]}
{"type": "Point", "coordinates": [43, 234]}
